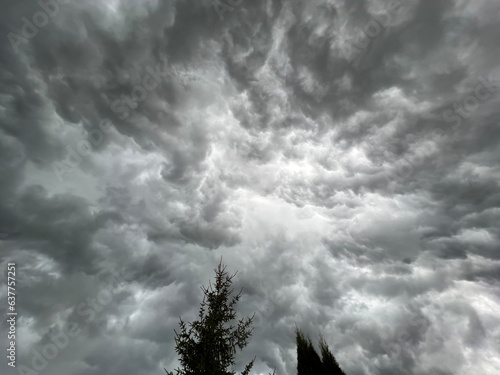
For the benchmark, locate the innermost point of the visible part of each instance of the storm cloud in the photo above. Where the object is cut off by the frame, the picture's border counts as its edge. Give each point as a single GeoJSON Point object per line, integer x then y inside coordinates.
{"type": "Point", "coordinates": [342, 155]}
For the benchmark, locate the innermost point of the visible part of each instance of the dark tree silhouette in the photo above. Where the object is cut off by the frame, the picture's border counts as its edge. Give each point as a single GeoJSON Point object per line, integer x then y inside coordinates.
{"type": "Point", "coordinates": [208, 346]}
{"type": "Point", "coordinates": [329, 362]}
{"type": "Point", "coordinates": [309, 361]}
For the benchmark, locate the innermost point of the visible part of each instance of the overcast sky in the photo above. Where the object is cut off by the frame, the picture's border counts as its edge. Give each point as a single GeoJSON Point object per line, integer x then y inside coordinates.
{"type": "Point", "coordinates": [343, 155]}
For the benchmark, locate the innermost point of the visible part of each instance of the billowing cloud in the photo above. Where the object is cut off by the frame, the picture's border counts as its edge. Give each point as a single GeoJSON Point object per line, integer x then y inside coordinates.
{"type": "Point", "coordinates": [343, 156]}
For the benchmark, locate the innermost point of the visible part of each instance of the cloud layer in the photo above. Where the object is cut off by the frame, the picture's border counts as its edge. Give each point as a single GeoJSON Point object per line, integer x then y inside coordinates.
{"type": "Point", "coordinates": [343, 156]}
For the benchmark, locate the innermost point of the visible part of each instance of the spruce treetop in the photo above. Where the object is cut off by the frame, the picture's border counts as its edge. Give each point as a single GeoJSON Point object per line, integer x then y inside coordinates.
{"type": "Point", "coordinates": [208, 345]}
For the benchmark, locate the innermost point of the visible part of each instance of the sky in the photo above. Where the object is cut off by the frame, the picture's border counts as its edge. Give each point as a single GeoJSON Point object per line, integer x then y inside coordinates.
{"type": "Point", "coordinates": [343, 156]}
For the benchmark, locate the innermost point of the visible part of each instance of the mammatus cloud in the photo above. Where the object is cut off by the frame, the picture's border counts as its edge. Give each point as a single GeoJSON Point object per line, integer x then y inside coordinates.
{"type": "Point", "coordinates": [343, 156]}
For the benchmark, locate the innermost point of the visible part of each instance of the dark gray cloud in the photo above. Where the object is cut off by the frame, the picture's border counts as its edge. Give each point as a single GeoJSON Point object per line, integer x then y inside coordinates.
{"type": "Point", "coordinates": [343, 156]}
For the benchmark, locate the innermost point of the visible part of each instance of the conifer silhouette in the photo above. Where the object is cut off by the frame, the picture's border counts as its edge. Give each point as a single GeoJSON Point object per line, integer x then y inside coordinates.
{"type": "Point", "coordinates": [309, 361]}
{"type": "Point", "coordinates": [208, 345]}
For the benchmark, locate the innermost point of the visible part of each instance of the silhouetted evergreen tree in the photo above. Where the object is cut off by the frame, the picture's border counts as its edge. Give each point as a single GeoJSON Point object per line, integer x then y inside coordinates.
{"type": "Point", "coordinates": [208, 345]}
{"type": "Point", "coordinates": [302, 353]}
{"type": "Point", "coordinates": [308, 360]}
{"type": "Point", "coordinates": [329, 362]}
